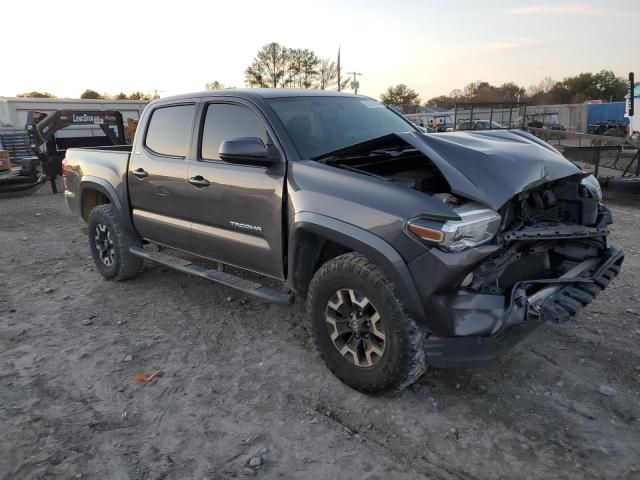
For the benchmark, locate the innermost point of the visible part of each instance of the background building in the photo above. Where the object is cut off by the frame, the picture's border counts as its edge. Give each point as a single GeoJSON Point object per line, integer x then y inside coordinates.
{"type": "Point", "coordinates": [13, 112]}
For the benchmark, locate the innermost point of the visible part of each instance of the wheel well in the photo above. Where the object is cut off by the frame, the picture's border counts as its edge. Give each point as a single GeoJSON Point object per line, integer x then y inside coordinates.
{"type": "Point", "coordinates": [91, 198]}
{"type": "Point", "coordinates": [311, 252]}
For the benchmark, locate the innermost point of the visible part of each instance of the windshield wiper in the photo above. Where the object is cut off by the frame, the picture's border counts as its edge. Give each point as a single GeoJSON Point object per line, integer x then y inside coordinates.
{"type": "Point", "coordinates": [376, 146]}
{"type": "Point", "coordinates": [392, 152]}
{"type": "Point", "coordinates": [379, 152]}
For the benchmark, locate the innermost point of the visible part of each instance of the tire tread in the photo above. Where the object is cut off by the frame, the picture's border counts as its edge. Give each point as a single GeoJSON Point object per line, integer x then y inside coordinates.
{"type": "Point", "coordinates": [413, 358]}
{"type": "Point", "coordinates": [128, 265]}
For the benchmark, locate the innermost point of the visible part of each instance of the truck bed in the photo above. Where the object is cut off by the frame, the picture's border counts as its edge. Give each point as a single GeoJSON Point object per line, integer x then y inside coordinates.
{"type": "Point", "coordinates": [105, 165]}
{"type": "Point", "coordinates": [108, 148]}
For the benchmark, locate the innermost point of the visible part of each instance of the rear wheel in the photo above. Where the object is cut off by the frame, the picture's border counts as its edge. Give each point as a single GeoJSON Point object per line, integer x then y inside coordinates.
{"type": "Point", "coordinates": [109, 243]}
{"type": "Point", "coordinates": [361, 329]}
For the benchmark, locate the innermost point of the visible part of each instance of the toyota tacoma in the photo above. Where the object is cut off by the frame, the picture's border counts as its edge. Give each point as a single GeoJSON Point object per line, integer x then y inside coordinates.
{"type": "Point", "coordinates": [411, 249]}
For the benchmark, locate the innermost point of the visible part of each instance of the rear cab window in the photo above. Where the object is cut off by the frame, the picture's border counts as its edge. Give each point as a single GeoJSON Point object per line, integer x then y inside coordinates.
{"type": "Point", "coordinates": [169, 130]}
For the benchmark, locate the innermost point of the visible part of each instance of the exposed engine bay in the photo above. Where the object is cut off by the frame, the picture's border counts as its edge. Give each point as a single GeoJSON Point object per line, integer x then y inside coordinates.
{"type": "Point", "coordinates": [545, 232]}
{"type": "Point", "coordinates": [549, 233]}
{"type": "Point", "coordinates": [412, 170]}
{"type": "Point", "coordinates": [397, 162]}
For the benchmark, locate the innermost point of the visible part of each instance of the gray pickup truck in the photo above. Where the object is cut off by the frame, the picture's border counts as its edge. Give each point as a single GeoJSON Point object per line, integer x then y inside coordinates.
{"type": "Point", "coordinates": [411, 249]}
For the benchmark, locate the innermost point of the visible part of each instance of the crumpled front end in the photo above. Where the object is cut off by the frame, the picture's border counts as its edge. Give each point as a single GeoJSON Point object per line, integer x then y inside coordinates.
{"type": "Point", "coordinates": [549, 260]}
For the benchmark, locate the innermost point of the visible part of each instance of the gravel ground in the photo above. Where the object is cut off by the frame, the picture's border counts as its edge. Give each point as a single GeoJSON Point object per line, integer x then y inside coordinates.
{"type": "Point", "coordinates": [243, 393]}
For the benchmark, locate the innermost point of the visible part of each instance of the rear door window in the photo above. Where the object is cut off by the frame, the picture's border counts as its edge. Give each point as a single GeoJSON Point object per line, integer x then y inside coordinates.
{"type": "Point", "coordinates": [169, 130]}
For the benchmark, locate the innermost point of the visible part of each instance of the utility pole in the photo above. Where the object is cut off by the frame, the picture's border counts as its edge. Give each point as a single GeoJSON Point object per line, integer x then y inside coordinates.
{"type": "Point", "coordinates": [355, 84]}
{"type": "Point", "coordinates": [339, 79]}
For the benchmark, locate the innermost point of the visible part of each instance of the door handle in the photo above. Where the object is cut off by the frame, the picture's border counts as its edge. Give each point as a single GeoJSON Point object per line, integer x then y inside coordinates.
{"type": "Point", "coordinates": [199, 181]}
{"type": "Point", "coordinates": [140, 173]}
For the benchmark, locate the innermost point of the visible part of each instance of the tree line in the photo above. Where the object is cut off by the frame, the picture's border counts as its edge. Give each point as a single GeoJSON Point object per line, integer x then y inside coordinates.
{"type": "Point", "coordinates": [94, 95]}
{"type": "Point", "coordinates": [278, 66]}
{"type": "Point", "coordinates": [604, 85]}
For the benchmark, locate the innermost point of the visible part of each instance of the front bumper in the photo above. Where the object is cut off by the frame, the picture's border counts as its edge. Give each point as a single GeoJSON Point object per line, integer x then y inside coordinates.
{"type": "Point", "coordinates": [511, 319]}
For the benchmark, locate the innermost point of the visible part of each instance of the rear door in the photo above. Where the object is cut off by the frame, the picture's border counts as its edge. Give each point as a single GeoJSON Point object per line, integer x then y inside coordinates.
{"type": "Point", "coordinates": [157, 176]}
{"type": "Point", "coordinates": [236, 210]}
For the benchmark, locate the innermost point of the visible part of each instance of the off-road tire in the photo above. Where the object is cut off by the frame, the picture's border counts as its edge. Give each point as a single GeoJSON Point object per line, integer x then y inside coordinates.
{"type": "Point", "coordinates": [124, 265]}
{"type": "Point", "coordinates": [403, 361]}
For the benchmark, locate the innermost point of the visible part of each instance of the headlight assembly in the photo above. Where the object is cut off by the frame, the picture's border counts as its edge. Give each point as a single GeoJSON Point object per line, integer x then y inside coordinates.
{"type": "Point", "coordinates": [592, 185]}
{"type": "Point", "coordinates": [477, 225]}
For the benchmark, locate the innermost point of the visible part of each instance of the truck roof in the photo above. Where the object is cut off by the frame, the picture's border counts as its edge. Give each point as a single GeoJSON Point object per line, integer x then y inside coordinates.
{"type": "Point", "coordinates": [253, 93]}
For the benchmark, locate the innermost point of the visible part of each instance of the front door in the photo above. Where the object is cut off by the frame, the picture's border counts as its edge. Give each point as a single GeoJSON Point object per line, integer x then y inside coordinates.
{"type": "Point", "coordinates": [157, 176]}
{"type": "Point", "coordinates": [236, 210]}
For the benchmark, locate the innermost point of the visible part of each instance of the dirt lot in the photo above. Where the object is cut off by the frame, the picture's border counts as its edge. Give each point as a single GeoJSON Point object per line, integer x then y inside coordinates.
{"type": "Point", "coordinates": [241, 380]}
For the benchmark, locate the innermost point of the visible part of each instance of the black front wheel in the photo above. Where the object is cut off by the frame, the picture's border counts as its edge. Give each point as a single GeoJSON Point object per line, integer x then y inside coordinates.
{"type": "Point", "coordinates": [361, 329]}
{"type": "Point", "coordinates": [109, 243]}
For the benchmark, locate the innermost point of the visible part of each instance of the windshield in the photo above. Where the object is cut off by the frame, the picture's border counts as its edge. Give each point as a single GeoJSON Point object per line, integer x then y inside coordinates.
{"type": "Point", "coordinates": [319, 125]}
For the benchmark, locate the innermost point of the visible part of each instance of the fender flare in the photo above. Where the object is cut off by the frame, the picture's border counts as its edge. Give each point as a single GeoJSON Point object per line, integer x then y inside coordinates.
{"type": "Point", "coordinates": [359, 240]}
{"type": "Point", "coordinates": [90, 182]}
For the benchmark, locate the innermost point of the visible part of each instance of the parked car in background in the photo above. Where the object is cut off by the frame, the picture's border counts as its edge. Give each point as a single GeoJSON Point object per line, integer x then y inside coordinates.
{"type": "Point", "coordinates": [548, 120]}
{"type": "Point", "coordinates": [444, 126]}
{"type": "Point", "coordinates": [479, 125]}
{"type": "Point", "coordinates": [609, 128]}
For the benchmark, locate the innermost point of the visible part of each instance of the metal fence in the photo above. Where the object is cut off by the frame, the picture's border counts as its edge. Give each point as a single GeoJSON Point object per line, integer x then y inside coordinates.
{"type": "Point", "coordinates": [605, 161]}
{"type": "Point", "coordinates": [485, 116]}
{"type": "Point", "coordinates": [575, 139]}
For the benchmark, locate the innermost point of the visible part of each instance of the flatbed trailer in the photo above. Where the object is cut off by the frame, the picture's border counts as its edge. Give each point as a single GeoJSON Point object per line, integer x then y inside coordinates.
{"type": "Point", "coordinates": [37, 154]}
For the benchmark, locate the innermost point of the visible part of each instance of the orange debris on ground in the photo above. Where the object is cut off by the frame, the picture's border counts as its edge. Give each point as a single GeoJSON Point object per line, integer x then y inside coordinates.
{"type": "Point", "coordinates": [144, 378]}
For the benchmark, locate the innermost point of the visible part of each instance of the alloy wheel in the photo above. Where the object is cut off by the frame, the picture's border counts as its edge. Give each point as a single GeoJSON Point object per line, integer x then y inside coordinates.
{"type": "Point", "coordinates": [355, 328]}
{"type": "Point", "coordinates": [104, 244]}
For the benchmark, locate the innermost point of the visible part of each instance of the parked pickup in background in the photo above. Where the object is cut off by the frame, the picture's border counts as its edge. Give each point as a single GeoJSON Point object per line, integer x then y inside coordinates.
{"type": "Point", "coordinates": [411, 249]}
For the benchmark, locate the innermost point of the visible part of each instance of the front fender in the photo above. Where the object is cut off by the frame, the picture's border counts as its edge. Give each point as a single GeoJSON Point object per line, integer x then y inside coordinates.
{"type": "Point", "coordinates": [356, 239]}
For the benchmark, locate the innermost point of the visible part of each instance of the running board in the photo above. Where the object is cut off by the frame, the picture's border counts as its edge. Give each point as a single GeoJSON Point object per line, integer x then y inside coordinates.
{"type": "Point", "coordinates": [226, 279]}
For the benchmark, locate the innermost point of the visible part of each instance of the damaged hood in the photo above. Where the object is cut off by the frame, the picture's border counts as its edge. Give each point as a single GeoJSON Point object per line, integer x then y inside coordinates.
{"type": "Point", "coordinates": [492, 166]}
{"type": "Point", "coordinates": [489, 167]}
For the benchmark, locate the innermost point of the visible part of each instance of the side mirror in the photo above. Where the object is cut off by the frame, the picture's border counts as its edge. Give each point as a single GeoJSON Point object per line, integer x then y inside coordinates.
{"type": "Point", "coordinates": [245, 151]}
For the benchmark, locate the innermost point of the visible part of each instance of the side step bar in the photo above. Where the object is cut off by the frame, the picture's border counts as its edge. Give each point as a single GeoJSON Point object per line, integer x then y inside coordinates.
{"type": "Point", "coordinates": [233, 281]}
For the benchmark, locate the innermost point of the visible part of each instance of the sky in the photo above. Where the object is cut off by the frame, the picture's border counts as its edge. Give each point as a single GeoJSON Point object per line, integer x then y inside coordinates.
{"type": "Point", "coordinates": [433, 46]}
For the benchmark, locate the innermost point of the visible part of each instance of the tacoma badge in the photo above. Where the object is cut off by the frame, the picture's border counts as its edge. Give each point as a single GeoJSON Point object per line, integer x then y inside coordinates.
{"type": "Point", "coordinates": [246, 226]}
